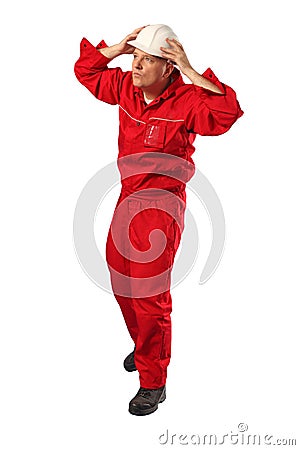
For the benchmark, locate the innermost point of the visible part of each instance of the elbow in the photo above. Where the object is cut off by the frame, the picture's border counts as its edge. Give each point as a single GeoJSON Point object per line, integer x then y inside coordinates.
{"type": "Point", "coordinates": [79, 71]}
{"type": "Point", "coordinates": [76, 70]}
{"type": "Point", "coordinates": [218, 127]}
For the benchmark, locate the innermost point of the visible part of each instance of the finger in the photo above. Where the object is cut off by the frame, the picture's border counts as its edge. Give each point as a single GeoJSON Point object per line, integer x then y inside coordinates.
{"type": "Point", "coordinates": [137, 30]}
{"type": "Point", "coordinates": [134, 34]}
{"type": "Point", "coordinates": [170, 42]}
{"type": "Point", "coordinates": [178, 43]}
{"type": "Point", "coordinates": [131, 36]}
{"type": "Point", "coordinates": [169, 58]}
{"type": "Point", "coordinates": [174, 43]}
{"type": "Point", "coordinates": [168, 51]}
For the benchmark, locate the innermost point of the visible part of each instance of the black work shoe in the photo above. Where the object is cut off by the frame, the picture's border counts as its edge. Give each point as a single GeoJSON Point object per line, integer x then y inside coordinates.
{"type": "Point", "coordinates": [129, 364]}
{"type": "Point", "coordinates": [146, 401]}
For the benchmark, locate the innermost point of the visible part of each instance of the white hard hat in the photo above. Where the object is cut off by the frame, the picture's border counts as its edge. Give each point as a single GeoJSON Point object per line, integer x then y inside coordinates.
{"type": "Point", "coordinates": [152, 37]}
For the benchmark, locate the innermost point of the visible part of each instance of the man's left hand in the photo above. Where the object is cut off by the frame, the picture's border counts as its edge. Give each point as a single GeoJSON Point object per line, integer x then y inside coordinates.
{"type": "Point", "coordinates": [176, 54]}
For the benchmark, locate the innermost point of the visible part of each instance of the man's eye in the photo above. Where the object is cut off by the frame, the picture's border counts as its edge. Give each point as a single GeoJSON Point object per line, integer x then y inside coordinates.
{"type": "Point", "coordinates": [148, 59]}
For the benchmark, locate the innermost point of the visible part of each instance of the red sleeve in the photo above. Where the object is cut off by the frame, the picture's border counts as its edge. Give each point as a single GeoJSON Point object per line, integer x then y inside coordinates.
{"type": "Point", "coordinates": [208, 113]}
{"type": "Point", "coordinates": [92, 71]}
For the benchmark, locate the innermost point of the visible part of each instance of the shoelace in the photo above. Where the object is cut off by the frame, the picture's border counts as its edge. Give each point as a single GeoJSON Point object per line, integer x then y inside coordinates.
{"type": "Point", "coordinates": [144, 393]}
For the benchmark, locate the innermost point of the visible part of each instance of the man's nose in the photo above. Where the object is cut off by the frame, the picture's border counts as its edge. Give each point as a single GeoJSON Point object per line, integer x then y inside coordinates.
{"type": "Point", "coordinates": [137, 63]}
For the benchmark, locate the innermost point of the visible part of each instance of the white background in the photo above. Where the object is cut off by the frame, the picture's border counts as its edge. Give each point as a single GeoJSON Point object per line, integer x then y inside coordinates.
{"type": "Point", "coordinates": [235, 339]}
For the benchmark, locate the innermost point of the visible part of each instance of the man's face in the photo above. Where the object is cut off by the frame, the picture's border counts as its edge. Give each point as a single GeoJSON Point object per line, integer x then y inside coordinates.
{"type": "Point", "coordinates": [148, 70]}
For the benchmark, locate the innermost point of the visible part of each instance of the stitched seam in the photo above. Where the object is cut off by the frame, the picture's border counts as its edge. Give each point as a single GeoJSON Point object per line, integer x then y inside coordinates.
{"type": "Point", "coordinates": [136, 120]}
{"type": "Point", "coordinates": [167, 120]}
{"type": "Point", "coordinates": [162, 349]}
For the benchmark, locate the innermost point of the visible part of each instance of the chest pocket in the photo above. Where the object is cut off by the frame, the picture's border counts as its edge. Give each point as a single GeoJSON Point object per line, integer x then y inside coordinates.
{"type": "Point", "coordinates": [155, 135]}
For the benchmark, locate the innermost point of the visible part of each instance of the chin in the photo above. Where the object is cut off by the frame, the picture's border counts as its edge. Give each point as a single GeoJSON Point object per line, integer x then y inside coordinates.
{"type": "Point", "coordinates": [137, 83]}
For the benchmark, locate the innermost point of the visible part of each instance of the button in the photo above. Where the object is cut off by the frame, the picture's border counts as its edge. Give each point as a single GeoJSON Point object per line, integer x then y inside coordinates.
{"type": "Point", "coordinates": [84, 45]}
{"type": "Point", "coordinates": [138, 124]}
{"type": "Point", "coordinates": [210, 75]}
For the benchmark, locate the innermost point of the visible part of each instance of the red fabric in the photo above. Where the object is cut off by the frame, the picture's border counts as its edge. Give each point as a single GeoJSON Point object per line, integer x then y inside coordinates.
{"type": "Point", "coordinates": [144, 293]}
{"type": "Point", "coordinates": [181, 112]}
{"type": "Point", "coordinates": [140, 259]}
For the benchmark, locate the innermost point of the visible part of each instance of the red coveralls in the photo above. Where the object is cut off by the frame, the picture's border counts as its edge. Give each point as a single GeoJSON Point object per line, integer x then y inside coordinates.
{"type": "Point", "coordinates": [167, 125]}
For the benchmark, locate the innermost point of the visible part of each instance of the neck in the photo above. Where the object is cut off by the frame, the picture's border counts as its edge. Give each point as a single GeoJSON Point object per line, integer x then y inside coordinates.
{"type": "Point", "coordinates": [152, 92]}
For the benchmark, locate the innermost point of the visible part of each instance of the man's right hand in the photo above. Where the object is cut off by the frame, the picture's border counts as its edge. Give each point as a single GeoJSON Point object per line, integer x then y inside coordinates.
{"type": "Point", "coordinates": [122, 48]}
{"type": "Point", "coordinates": [126, 48]}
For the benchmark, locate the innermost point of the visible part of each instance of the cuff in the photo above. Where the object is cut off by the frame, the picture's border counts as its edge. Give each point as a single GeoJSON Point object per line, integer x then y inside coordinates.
{"type": "Point", "coordinates": [87, 49]}
{"type": "Point", "coordinates": [102, 44]}
{"type": "Point", "coordinates": [209, 75]}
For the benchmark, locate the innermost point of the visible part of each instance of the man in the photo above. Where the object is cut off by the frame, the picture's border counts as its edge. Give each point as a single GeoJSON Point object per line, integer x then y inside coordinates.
{"type": "Point", "coordinates": [160, 116]}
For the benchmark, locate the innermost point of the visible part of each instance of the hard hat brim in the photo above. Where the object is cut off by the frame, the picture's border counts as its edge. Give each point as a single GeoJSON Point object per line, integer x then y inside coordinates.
{"type": "Point", "coordinates": [135, 43]}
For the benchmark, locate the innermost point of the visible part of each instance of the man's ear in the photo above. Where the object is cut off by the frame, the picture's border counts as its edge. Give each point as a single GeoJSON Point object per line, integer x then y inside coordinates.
{"type": "Point", "coordinates": [169, 69]}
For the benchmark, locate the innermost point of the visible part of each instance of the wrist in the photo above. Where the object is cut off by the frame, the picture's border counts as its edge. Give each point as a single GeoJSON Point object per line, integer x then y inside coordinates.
{"type": "Point", "coordinates": [188, 71]}
{"type": "Point", "coordinates": [111, 52]}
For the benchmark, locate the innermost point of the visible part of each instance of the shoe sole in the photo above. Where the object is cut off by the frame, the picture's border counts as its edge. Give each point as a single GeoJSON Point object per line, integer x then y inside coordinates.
{"type": "Point", "coordinates": [138, 412]}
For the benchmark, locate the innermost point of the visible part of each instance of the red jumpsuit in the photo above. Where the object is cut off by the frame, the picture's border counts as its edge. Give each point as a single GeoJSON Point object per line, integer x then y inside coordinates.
{"type": "Point", "coordinates": [148, 220]}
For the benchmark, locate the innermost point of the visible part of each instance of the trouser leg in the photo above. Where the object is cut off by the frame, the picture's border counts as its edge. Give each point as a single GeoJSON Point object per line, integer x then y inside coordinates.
{"type": "Point", "coordinates": [121, 265]}
{"type": "Point", "coordinates": [144, 292]}
{"type": "Point", "coordinates": [153, 346]}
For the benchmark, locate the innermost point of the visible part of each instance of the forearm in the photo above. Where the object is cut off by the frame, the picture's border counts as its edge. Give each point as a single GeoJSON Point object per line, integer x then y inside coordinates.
{"type": "Point", "coordinates": [199, 80]}
{"type": "Point", "coordinates": [110, 52]}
